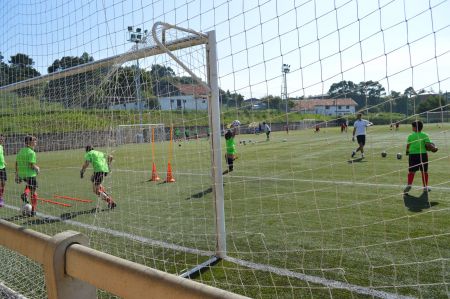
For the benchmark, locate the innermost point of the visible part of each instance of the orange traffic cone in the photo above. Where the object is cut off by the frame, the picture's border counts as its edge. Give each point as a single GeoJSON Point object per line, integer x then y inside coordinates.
{"type": "Point", "coordinates": [155, 176]}
{"type": "Point", "coordinates": [169, 178]}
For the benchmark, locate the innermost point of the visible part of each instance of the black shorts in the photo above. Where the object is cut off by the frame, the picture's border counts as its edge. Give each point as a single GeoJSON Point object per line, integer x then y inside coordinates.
{"type": "Point", "coordinates": [361, 139]}
{"type": "Point", "coordinates": [31, 182]}
{"type": "Point", "coordinates": [3, 177]}
{"type": "Point", "coordinates": [418, 162]}
{"type": "Point", "coordinates": [230, 160]}
{"type": "Point", "coordinates": [97, 177]}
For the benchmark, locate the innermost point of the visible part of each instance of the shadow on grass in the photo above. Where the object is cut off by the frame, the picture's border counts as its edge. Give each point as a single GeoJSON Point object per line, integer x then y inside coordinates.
{"type": "Point", "coordinates": [200, 194]}
{"type": "Point", "coordinates": [417, 204]}
{"type": "Point", "coordinates": [64, 216]}
{"type": "Point", "coordinates": [15, 218]}
{"type": "Point", "coordinates": [357, 160]}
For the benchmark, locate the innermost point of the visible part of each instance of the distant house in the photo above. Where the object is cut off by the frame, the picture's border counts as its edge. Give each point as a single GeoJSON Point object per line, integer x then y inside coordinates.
{"type": "Point", "coordinates": [325, 106]}
{"type": "Point", "coordinates": [186, 97]}
{"type": "Point", "coordinates": [189, 97]}
{"type": "Point", "coordinates": [254, 104]}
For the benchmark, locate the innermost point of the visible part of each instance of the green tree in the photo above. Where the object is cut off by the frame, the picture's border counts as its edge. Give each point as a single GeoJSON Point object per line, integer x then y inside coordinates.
{"type": "Point", "coordinates": [273, 102]}
{"type": "Point", "coordinates": [21, 60]}
{"type": "Point", "coordinates": [163, 79]}
{"type": "Point", "coordinates": [399, 102]}
{"type": "Point", "coordinates": [4, 71]}
{"type": "Point", "coordinates": [343, 89]}
{"type": "Point", "coordinates": [410, 92]}
{"type": "Point", "coordinates": [20, 69]}
{"type": "Point", "coordinates": [410, 95]}
{"type": "Point", "coordinates": [230, 99]}
{"type": "Point", "coordinates": [366, 93]}
{"type": "Point", "coordinates": [160, 71]}
{"type": "Point", "coordinates": [121, 88]}
{"type": "Point", "coordinates": [75, 90]}
{"type": "Point", "coordinates": [370, 94]}
{"type": "Point", "coordinates": [347, 89]}
{"type": "Point", "coordinates": [431, 103]}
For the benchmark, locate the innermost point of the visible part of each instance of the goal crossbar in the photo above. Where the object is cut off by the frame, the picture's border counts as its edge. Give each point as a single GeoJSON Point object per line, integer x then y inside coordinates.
{"type": "Point", "coordinates": [182, 43]}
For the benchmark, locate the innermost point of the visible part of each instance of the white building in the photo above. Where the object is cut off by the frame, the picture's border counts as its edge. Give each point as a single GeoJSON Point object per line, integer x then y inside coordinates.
{"type": "Point", "coordinates": [187, 97]}
{"type": "Point", "coordinates": [333, 107]}
{"type": "Point", "coordinates": [183, 102]}
{"type": "Point", "coordinates": [190, 97]}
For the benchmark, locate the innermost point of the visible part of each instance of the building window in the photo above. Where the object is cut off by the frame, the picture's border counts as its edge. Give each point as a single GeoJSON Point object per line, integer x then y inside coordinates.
{"type": "Point", "coordinates": [348, 107]}
{"type": "Point", "coordinates": [327, 107]}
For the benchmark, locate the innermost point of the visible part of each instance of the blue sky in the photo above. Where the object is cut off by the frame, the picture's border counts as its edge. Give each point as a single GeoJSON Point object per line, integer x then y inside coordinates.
{"type": "Point", "coordinates": [399, 43]}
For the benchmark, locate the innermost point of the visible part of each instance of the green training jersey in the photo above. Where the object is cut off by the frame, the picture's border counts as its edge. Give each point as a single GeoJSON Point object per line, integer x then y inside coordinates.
{"type": "Point", "coordinates": [2, 158]}
{"type": "Point", "coordinates": [25, 157]}
{"type": "Point", "coordinates": [416, 141]}
{"type": "Point", "coordinates": [98, 160]}
{"type": "Point", "coordinates": [231, 146]}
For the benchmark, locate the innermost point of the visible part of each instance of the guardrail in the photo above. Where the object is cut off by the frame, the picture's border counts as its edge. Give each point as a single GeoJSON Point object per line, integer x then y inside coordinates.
{"type": "Point", "coordinates": [73, 270]}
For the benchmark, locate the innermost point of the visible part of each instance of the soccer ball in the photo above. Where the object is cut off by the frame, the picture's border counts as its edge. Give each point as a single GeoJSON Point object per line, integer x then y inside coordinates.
{"type": "Point", "coordinates": [431, 147]}
{"type": "Point", "coordinates": [235, 123]}
{"type": "Point", "coordinates": [383, 154]}
{"type": "Point", "coordinates": [399, 156]}
{"type": "Point", "coordinates": [26, 209]}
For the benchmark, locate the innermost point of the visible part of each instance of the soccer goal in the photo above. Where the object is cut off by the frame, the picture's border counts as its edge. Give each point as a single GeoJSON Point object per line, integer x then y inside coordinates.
{"type": "Point", "coordinates": [166, 80]}
{"type": "Point", "coordinates": [294, 215]}
{"type": "Point", "coordinates": [139, 133]}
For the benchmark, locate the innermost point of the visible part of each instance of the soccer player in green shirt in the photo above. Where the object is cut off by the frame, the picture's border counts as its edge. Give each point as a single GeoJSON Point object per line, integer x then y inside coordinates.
{"type": "Point", "coordinates": [416, 148]}
{"type": "Point", "coordinates": [230, 155]}
{"type": "Point", "coordinates": [27, 170]}
{"type": "Point", "coordinates": [2, 171]}
{"type": "Point", "coordinates": [100, 162]}
{"type": "Point", "coordinates": [177, 134]}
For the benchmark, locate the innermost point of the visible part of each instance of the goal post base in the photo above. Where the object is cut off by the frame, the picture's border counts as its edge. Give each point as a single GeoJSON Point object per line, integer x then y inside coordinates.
{"type": "Point", "coordinates": [194, 272]}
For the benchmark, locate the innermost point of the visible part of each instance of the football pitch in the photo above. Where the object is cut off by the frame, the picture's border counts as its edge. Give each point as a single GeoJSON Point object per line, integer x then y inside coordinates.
{"type": "Point", "coordinates": [303, 219]}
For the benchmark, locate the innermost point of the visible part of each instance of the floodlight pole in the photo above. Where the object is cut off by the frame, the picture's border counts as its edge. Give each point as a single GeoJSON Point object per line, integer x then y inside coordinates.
{"type": "Point", "coordinates": [138, 90]}
{"type": "Point", "coordinates": [285, 69]}
{"type": "Point", "coordinates": [137, 36]}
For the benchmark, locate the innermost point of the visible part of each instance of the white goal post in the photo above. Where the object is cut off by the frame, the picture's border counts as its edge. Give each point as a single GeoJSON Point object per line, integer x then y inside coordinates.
{"type": "Point", "coordinates": [159, 31]}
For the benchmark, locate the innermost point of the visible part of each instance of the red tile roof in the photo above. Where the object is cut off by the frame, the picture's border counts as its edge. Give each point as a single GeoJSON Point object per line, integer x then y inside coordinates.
{"type": "Point", "coordinates": [192, 89]}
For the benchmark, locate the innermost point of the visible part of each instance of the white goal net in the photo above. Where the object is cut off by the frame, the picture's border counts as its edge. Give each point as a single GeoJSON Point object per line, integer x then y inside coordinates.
{"type": "Point", "coordinates": [140, 133]}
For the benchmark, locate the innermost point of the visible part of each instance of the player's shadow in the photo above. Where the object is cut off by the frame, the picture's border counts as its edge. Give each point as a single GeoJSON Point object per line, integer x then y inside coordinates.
{"type": "Point", "coordinates": [200, 194]}
{"type": "Point", "coordinates": [64, 216]}
{"type": "Point", "coordinates": [357, 160]}
{"type": "Point", "coordinates": [15, 218]}
{"type": "Point", "coordinates": [417, 204]}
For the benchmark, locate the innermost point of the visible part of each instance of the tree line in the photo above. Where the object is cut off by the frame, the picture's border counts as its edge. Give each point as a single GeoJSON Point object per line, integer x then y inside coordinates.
{"type": "Point", "coordinates": [95, 89]}
{"type": "Point", "coordinates": [371, 94]}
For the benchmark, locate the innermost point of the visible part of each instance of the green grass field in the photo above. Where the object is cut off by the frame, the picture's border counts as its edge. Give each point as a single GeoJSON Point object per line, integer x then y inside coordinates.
{"type": "Point", "coordinates": [296, 203]}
